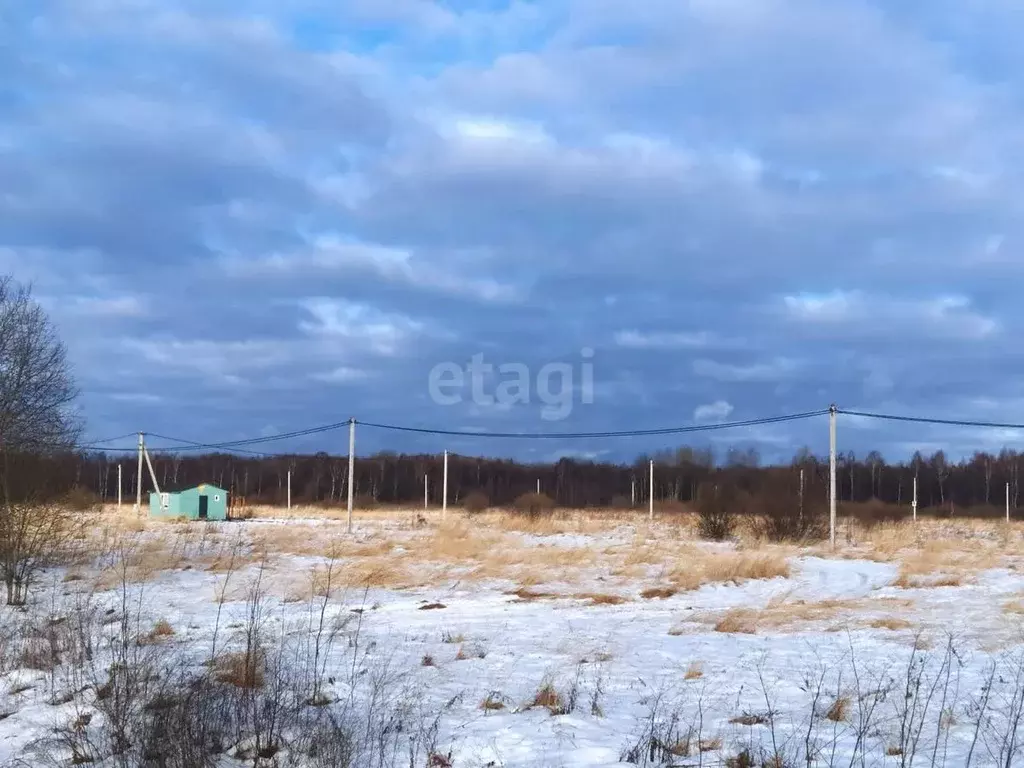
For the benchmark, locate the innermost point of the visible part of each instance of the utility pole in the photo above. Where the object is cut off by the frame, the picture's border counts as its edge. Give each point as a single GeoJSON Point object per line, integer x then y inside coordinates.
{"type": "Point", "coordinates": [1007, 502]}
{"type": "Point", "coordinates": [289, 490]}
{"type": "Point", "coordinates": [444, 489]}
{"type": "Point", "coordinates": [914, 502]}
{"type": "Point", "coordinates": [119, 488]}
{"type": "Point", "coordinates": [832, 473]}
{"type": "Point", "coordinates": [426, 491]}
{"type": "Point", "coordinates": [650, 503]}
{"type": "Point", "coordinates": [632, 485]}
{"type": "Point", "coordinates": [351, 468]}
{"type": "Point", "coordinates": [538, 486]}
{"type": "Point", "coordinates": [152, 473]}
{"type": "Point", "coordinates": [138, 486]}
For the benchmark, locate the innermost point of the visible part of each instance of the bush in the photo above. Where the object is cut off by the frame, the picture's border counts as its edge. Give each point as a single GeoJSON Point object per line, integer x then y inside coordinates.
{"type": "Point", "coordinates": [717, 506]}
{"type": "Point", "coordinates": [533, 505]}
{"type": "Point", "coordinates": [620, 502]}
{"type": "Point", "coordinates": [475, 502]}
{"type": "Point", "coordinates": [783, 518]}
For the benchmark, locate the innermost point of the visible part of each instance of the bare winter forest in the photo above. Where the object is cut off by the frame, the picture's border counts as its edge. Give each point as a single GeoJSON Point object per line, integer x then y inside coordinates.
{"type": "Point", "coordinates": [973, 486]}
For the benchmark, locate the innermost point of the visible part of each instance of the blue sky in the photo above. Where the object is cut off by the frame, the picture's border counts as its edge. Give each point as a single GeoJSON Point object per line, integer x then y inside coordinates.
{"type": "Point", "coordinates": [253, 217]}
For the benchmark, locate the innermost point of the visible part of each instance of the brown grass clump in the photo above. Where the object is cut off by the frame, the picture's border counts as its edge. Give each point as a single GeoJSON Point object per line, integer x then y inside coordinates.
{"type": "Point", "coordinates": [695, 671]}
{"type": "Point", "coordinates": [891, 623]}
{"type": "Point", "coordinates": [839, 710]}
{"type": "Point", "coordinates": [748, 719]}
{"type": "Point", "coordinates": [781, 612]}
{"type": "Point", "coordinates": [659, 593]}
{"type": "Point", "coordinates": [427, 661]}
{"type": "Point", "coordinates": [598, 598]}
{"type": "Point", "coordinates": [242, 670]}
{"type": "Point", "coordinates": [470, 652]}
{"type": "Point", "coordinates": [710, 745]}
{"type": "Point", "coordinates": [476, 502]}
{"type": "Point", "coordinates": [945, 564]}
{"type": "Point", "coordinates": [550, 699]}
{"type": "Point", "coordinates": [493, 702]}
{"type": "Point", "coordinates": [1014, 606]}
{"type": "Point", "coordinates": [162, 629]}
{"type": "Point", "coordinates": [696, 567]}
{"type": "Point", "coordinates": [738, 621]}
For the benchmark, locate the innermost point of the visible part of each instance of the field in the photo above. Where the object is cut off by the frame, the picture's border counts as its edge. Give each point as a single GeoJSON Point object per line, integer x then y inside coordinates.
{"type": "Point", "coordinates": [581, 639]}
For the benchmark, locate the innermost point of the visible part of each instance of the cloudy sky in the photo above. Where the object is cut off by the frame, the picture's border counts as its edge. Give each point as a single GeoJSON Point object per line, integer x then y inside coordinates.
{"type": "Point", "coordinates": [253, 217]}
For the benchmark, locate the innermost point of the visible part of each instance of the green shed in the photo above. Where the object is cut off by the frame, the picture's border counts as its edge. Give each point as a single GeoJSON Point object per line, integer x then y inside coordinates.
{"type": "Point", "coordinates": [205, 502]}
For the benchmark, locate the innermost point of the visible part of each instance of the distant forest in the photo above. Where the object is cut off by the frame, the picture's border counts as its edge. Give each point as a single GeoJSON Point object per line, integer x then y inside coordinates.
{"type": "Point", "coordinates": [389, 478]}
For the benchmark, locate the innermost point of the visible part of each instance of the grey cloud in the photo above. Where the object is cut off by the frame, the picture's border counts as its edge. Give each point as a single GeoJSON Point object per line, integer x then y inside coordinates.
{"type": "Point", "coordinates": [251, 211]}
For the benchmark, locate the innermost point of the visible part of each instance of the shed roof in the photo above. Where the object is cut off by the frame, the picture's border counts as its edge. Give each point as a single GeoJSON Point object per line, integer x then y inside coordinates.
{"type": "Point", "coordinates": [202, 487]}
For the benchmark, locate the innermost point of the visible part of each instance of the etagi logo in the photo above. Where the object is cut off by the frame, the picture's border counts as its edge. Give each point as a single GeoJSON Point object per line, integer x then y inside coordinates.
{"type": "Point", "coordinates": [555, 384]}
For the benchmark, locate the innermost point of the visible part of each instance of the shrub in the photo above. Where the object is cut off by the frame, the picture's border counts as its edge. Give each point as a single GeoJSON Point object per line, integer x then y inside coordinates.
{"type": "Point", "coordinates": [242, 670]}
{"type": "Point", "coordinates": [476, 502]}
{"type": "Point", "coordinates": [716, 509]}
{"type": "Point", "coordinates": [533, 505]}
{"type": "Point", "coordinates": [782, 516]}
{"type": "Point", "coordinates": [620, 502]}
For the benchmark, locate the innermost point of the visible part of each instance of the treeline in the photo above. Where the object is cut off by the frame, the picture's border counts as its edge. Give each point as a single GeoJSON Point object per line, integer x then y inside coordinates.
{"type": "Point", "coordinates": [389, 478]}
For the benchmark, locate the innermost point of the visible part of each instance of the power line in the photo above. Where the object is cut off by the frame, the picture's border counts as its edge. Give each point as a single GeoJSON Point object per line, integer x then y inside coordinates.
{"type": "Point", "coordinates": [928, 420]}
{"type": "Point", "coordinates": [235, 445]}
{"type": "Point", "coordinates": [192, 445]}
{"type": "Point", "coordinates": [610, 434]}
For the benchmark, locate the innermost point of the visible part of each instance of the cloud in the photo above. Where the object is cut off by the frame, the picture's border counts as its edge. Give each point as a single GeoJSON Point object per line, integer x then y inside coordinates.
{"type": "Point", "coordinates": [664, 340]}
{"type": "Point", "coordinates": [856, 313]}
{"type": "Point", "coordinates": [716, 411]}
{"type": "Point", "coordinates": [333, 257]}
{"type": "Point", "coordinates": [771, 371]}
{"type": "Point", "coordinates": [121, 306]}
{"type": "Point", "coordinates": [360, 324]}
{"type": "Point", "coordinates": [773, 206]}
{"type": "Point", "coordinates": [342, 375]}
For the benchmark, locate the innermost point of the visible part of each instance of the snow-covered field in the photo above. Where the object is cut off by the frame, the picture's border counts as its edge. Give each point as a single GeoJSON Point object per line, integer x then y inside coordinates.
{"type": "Point", "coordinates": [473, 644]}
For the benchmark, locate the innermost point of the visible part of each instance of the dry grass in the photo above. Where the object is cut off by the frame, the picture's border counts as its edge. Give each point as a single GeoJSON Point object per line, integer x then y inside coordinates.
{"type": "Point", "coordinates": [738, 621]}
{"type": "Point", "coordinates": [839, 711]}
{"type": "Point", "coordinates": [750, 719]}
{"type": "Point", "coordinates": [160, 631]}
{"type": "Point", "coordinates": [890, 622]}
{"type": "Point", "coordinates": [946, 564]}
{"type": "Point", "coordinates": [653, 559]}
{"type": "Point", "coordinates": [493, 703]}
{"type": "Point", "coordinates": [241, 670]}
{"type": "Point", "coordinates": [471, 652]}
{"type": "Point", "coordinates": [782, 613]}
{"type": "Point", "coordinates": [599, 598]}
{"type": "Point", "coordinates": [696, 567]}
{"type": "Point", "coordinates": [1015, 607]}
{"type": "Point", "coordinates": [550, 699]}
{"type": "Point", "coordinates": [695, 671]}
{"type": "Point", "coordinates": [659, 593]}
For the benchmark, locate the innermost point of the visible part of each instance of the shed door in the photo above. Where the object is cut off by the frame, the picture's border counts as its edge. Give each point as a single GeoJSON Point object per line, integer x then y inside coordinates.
{"type": "Point", "coordinates": [204, 507]}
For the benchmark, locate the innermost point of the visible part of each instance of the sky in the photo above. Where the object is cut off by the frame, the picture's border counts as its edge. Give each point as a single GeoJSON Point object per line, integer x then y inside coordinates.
{"type": "Point", "coordinates": [252, 217]}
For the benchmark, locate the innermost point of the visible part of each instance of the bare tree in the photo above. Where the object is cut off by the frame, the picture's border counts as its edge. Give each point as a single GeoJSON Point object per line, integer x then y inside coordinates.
{"type": "Point", "coordinates": [37, 394]}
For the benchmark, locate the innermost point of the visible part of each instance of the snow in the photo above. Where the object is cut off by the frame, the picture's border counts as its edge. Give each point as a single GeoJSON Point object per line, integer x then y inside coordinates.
{"type": "Point", "coordinates": [627, 662]}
